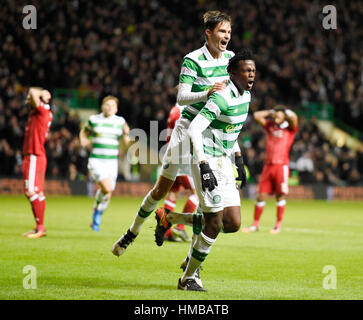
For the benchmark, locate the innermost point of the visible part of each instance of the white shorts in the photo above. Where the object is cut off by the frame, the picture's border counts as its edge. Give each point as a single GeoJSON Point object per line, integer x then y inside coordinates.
{"type": "Point", "coordinates": [226, 194]}
{"type": "Point", "coordinates": [100, 169]}
{"type": "Point", "coordinates": [177, 158]}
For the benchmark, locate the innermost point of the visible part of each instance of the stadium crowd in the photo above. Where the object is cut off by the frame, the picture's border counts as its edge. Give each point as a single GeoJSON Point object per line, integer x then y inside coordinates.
{"type": "Point", "coordinates": [133, 50]}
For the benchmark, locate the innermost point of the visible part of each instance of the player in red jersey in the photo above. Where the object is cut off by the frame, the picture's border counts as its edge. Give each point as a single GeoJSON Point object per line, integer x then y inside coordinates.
{"type": "Point", "coordinates": [182, 180]}
{"type": "Point", "coordinates": [281, 125]}
{"type": "Point", "coordinates": [34, 157]}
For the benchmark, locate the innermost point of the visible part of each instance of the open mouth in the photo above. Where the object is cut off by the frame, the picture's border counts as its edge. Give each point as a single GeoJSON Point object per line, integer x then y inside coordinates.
{"type": "Point", "coordinates": [224, 43]}
{"type": "Point", "coordinates": [250, 84]}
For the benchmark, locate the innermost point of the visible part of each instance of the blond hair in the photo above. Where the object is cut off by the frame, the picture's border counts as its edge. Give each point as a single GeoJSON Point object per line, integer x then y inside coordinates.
{"type": "Point", "coordinates": [107, 98]}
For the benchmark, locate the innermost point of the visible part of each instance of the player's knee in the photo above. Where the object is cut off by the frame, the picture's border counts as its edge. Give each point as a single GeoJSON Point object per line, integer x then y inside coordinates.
{"type": "Point", "coordinates": [213, 225]}
{"type": "Point", "coordinates": [29, 194]}
{"type": "Point", "coordinates": [231, 225]}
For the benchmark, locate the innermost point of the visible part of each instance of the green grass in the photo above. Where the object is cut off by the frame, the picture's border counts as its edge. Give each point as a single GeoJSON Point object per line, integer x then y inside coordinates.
{"type": "Point", "coordinates": [73, 262]}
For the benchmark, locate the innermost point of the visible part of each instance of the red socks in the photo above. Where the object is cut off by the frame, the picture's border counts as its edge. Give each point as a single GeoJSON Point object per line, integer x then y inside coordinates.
{"type": "Point", "coordinates": [280, 212]}
{"type": "Point", "coordinates": [259, 206]}
{"type": "Point", "coordinates": [189, 207]}
{"type": "Point", "coordinates": [38, 207]}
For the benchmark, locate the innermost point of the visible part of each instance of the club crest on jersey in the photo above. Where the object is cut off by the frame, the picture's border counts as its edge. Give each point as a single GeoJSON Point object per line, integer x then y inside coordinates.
{"type": "Point", "coordinates": [217, 198]}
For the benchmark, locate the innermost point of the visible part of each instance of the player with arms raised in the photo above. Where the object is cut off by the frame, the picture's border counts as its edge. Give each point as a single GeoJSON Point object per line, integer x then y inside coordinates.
{"type": "Point", "coordinates": [281, 125]}
{"type": "Point", "coordinates": [35, 160]}
{"type": "Point", "coordinates": [105, 130]}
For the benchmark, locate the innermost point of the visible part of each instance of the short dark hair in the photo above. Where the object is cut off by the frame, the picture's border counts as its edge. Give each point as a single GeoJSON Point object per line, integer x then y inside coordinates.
{"type": "Point", "coordinates": [245, 54]}
{"type": "Point", "coordinates": [212, 18]}
{"type": "Point", "coordinates": [280, 107]}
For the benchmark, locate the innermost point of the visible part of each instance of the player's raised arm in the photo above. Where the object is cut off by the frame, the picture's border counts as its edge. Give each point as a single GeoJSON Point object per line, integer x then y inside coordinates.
{"type": "Point", "coordinates": [38, 95]}
{"type": "Point", "coordinates": [126, 142]}
{"type": "Point", "coordinates": [291, 118]}
{"type": "Point", "coordinates": [83, 137]}
{"type": "Point", "coordinates": [261, 116]}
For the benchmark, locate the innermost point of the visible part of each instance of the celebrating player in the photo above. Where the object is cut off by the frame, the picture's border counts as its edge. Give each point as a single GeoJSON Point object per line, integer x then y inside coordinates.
{"type": "Point", "coordinates": [203, 73]}
{"type": "Point", "coordinates": [183, 180]}
{"type": "Point", "coordinates": [105, 129]}
{"type": "Point", "coordinates": [35, 160]}
{"type": "Point", "coordinates": [281, 125]}
{"type": "Point", "coordinates": [214, 132]}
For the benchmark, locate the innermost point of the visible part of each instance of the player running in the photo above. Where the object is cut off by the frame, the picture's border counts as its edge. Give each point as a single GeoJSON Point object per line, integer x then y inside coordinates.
{"type": "Point", "coordinates": [281, 125]}
{"type": "Point", "coordinates": [203, 72]}
{"type": "Point", "coordinates": [214, 132]}
{"type": "Point", "coordinates": [105, 130]}
{"type": "Point", "coordinates": [183, 180]}
{"type": "Point", "coordinates": [35, 160]}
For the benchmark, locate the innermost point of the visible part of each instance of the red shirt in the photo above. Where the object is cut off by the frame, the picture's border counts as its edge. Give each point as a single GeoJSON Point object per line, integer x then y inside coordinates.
{"type": "Point", "coordinates": [278, 143]}
{"type": "Point", "coordinates": [174, 115]}
{"type": "Point", "coordinates": [36, 130]}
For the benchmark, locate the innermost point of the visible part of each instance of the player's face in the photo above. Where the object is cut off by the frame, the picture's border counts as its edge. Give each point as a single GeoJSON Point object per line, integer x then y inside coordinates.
{"type": "Point", "coordinates": [279, 117]}
{"type": "Point", "coordinates": [109, 108]}
{"type": "Point", "coordinates": [218, 38]}
{"type": "Point", "coordinates": [244, 76]}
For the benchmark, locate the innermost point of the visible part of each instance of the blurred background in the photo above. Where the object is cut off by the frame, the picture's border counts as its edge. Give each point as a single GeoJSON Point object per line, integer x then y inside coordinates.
{"type": "Point", "coordinates": [84, 50]}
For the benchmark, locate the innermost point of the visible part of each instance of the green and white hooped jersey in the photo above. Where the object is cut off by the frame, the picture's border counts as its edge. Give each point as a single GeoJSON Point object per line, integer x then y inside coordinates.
{"type": "Point", "coordinates": [105, 133]}
{"type": "Point", "coordinates": [227, 110]}
{"type": "Point", "coordinates": [202, 71]}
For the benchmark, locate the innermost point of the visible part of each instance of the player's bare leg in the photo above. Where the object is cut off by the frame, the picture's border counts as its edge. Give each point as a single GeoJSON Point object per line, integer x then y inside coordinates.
{"type": "Point", "coordinates": [280, 209]}
{"type": "Point", "coordinates": [259, 206]}
{"type": "Point", "coordinates": [159, 191]}
{"type": "Point", "coordinates": [102, 200]}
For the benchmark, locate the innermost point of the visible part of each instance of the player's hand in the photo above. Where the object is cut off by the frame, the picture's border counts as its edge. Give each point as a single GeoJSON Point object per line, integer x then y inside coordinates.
{"type": "Point", "coordinates": [209, 181]}
{"type": "Point", "coordinates": [217, 87]}
{"type": "Point", "coordinates": [45, 96]}
{"type": "Point", "coordinates": [242, 176]}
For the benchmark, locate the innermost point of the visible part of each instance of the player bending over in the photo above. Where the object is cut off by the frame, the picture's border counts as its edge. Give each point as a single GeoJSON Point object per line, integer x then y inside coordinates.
{"type": "Point", "coordinates": [35, 160]}
{"type": "Point", "coordinates": [105, 130]}
{"type": "Point", "coordinates": [281, 125]}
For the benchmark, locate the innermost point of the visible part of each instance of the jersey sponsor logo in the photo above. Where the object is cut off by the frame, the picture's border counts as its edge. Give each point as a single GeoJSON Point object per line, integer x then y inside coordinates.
{"type": "Point", "coordinates": [217, 198]}
{"type": "Point", "coordinates": [231, 127]}
{"type": "Point", "coordinates": [277, 133]}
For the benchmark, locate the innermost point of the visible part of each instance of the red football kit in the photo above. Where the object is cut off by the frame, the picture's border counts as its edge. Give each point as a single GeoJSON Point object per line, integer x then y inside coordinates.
{"type": "Point", "coordinates": [35, 161]}
{"type": "Point", "coordinates": [275, 174]}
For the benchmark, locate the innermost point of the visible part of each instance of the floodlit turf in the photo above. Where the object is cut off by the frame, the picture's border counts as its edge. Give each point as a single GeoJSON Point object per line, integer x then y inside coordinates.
{"type": "Point", "coordinates": [73, 262]}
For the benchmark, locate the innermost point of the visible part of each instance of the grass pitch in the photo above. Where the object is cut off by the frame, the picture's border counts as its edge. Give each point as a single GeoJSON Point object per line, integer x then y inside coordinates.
{"type": "Point", "coordinates": [73, 262]}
